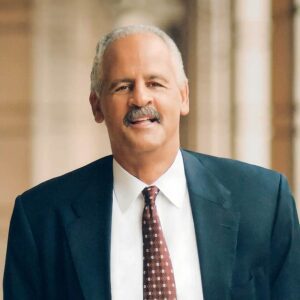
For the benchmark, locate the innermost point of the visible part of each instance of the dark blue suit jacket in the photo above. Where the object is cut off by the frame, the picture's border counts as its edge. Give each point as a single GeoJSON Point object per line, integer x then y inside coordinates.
{"type": "Point", "coordinates": [246, 225]}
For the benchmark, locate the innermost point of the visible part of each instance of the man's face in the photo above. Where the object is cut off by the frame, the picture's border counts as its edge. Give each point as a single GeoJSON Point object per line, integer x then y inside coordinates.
{"type": "Point", "coordinates": [139, 74]}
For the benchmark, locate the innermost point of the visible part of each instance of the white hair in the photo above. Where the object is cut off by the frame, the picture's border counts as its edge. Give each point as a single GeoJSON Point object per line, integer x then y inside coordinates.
{"type": "Point", "coordinates": [97, 70]}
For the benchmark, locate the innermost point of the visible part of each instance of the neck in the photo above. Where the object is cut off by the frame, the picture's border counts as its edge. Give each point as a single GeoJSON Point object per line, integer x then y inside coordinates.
{"type": "Point", "coordinates": [147, 167]}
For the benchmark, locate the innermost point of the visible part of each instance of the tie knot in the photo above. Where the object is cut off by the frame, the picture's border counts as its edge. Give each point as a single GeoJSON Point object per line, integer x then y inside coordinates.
{"type": "Point", "coordinates": [150, 194]}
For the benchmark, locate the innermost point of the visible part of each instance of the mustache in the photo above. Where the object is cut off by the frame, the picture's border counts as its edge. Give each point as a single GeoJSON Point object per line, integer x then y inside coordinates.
{"type": "Point", "coordinates": [139, 112]}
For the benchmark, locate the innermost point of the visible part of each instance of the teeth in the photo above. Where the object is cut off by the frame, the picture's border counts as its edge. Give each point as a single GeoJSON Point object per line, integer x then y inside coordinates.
{"type": "Point", "coordinates": [141, 120]}
{"type": "Point", "coordinates": [144, 119]}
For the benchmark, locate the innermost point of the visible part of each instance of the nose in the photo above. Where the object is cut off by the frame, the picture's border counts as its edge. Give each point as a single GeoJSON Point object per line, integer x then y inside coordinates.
{"type": "Point", "coordinates": [140, 95]}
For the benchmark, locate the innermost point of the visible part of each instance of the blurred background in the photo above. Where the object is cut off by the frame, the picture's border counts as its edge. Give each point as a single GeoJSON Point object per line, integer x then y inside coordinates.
{"type": "Point", "coordinates": [242, 58]}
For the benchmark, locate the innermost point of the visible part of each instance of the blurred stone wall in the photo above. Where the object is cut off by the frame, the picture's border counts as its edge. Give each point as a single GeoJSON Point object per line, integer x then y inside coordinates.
{"type": "Point", "coordinates": [46, 53]}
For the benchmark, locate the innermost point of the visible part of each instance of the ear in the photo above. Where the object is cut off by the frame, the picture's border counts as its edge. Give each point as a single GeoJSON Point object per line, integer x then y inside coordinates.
{"type": "Point", "coordinates": [96, 107]}
{"type": "Point", "coordinates": [185, 103]}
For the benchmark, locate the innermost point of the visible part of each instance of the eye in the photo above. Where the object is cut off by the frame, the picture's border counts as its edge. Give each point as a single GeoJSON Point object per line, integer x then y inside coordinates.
{"type": "Point", "coordinates": [122, 88]}
{"type": "Point", "coordinates": [154, 84]}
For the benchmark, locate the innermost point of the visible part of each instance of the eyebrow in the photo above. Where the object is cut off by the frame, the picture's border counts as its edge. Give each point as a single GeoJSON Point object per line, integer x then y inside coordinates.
{"type": "Point", "coordinates": [159, 77]}
{"type": "Point", "coordinates": [116, 82]}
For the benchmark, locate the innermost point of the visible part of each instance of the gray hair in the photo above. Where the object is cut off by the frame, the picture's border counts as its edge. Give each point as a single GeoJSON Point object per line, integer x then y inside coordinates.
{"type": "Point", "coordinates": [97, 70]}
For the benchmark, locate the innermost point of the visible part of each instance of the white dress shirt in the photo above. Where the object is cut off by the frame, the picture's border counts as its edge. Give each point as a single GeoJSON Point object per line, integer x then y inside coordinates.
{"type": "Point", "coordinates": [173, 206]}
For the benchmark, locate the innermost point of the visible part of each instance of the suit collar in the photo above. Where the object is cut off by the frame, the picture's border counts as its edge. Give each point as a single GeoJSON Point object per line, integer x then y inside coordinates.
{"type": "Point", "coordinates": [89, 234]}
{"type": "Point", "coordinates": [216, 226]}
{"type": "Point", "coordinates": [203, 183]}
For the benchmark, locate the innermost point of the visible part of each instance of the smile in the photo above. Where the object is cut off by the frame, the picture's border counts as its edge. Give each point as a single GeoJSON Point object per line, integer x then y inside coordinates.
{"type": "Point", "coordinates": [143, 120]}
{"type": "Point", "coordinates": [143, 115]}
{"type": "Point", "coordinates": [143, 123]}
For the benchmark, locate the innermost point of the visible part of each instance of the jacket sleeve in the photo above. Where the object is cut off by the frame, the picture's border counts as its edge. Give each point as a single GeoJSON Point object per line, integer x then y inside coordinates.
{"type": "Point", "coordinates": [285, 247]}
{"type": "Point", "coordinates": [22, 278]}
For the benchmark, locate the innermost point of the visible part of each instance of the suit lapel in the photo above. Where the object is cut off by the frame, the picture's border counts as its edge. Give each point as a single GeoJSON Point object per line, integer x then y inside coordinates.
{"type": "Point", "coordinates": [89, 234]}
{"type": "Point", "coordinates": [216, 227]}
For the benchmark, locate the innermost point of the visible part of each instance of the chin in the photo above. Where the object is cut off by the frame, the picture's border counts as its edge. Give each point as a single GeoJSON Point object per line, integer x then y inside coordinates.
{"type": "Point", "coordinates": [145, 146]}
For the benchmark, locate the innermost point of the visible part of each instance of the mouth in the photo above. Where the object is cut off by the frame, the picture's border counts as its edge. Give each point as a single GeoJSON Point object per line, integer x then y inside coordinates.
{"type": "Point", "coordinates": [144, 120]}
{"type": "Point", "coordinates": [143, 116]}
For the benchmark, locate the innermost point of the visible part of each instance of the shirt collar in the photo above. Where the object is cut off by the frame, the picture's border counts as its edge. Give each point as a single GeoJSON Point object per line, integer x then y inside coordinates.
{"type": "Point", "coordinates": [127, 188]}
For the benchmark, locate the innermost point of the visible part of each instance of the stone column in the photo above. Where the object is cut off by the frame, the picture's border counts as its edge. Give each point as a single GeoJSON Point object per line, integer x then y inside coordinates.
{"type": "Point", "coordinates": [15, 76]}
{"type": "Point", "coordinates": [252, 81]}
{"type": "Point", "coordinates": [208, 127]}
{"type": "Point", "coordinates": [282, 87]}
{"type": "Point", "coordinates": [297, 106]}
{"type": "Point", "coordinates": [65, 135]}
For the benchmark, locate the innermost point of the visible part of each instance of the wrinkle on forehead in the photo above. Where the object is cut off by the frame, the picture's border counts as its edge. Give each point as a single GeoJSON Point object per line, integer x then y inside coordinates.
{"type": "Point", "coordinates": [137, 38]}
{"type": "Point", "coordinates": [135, 48]}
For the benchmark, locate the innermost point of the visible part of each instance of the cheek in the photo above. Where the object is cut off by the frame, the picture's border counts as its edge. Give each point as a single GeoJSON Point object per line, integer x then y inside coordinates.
{"type": "Point", "coordinates": [114, 111]}
{"type": "Point", "coordinates": [171, 106]}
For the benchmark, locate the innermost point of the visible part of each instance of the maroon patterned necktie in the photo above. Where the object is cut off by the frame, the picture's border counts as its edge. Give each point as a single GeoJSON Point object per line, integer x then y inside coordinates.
{"type": "Point", "coordinates": [158, 276]}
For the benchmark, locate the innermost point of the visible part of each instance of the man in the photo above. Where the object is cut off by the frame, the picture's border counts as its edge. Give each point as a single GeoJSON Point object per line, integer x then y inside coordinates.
{"type": "Point", "coordinates": [152, 221]}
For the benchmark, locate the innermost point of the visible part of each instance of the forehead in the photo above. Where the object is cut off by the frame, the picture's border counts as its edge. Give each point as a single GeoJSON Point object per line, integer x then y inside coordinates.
{"type": "Point", "coordinates": [136, 52]}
